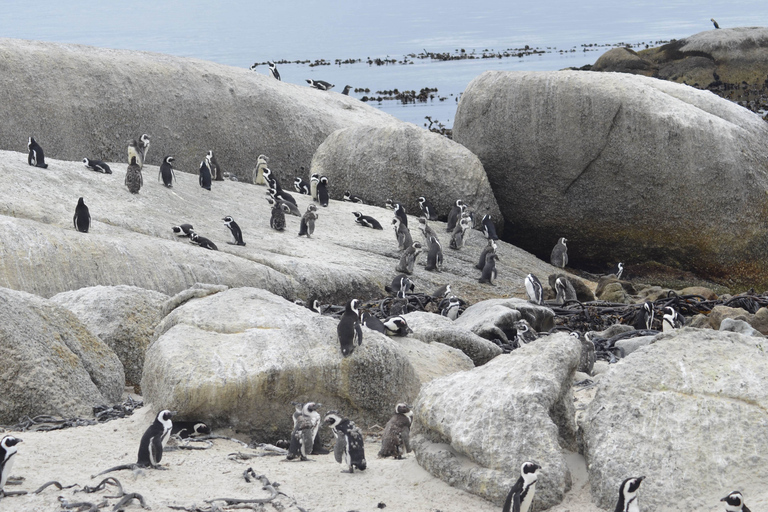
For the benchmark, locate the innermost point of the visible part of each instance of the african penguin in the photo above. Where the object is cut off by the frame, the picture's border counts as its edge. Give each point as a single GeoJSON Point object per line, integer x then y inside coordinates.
{"type": "Point", "coordinates": [401, 214]}
{"type": "Point", "coordinates": [434, 255]}
{"type": "Point", "coordinates": [277, 219]}
{"type": "Point", "coordinates": [183, 229]}
{"type": "Point", "coordinates": [96, 165]}
{"type": "Point", "coordinates": [372, 322]}
{"type": "Point", "coordinates": [442, 292]}
{"type": "Point", "coordinates": [8, 450]}
{"type": "Point", "coordinates": [305, 428]}
{"type": "Point", "coordinates": [389, 203]}
{"type": "Point", "coordinates": [451, 309]}
{"type": "Point", "coordinates": [351, 199]}
{"type": "Point", "coordinates": [366, 221]}
{"type": "Point", "coordinates": [258, 173]}
{"type": "Point", "coordinates": [534, 289]}
{"type": "Point", "coordinates": [401, 284]}
{"type": "Point", "coordinates": [520, 496]}
{"type": "Point", "coordinates": [333, 419]}
{"type": "Point", "coordinates": [346, 90]}
{"type": "Point", "coordinates": [408, 258]}
{"type": "Point", "coordinates": [282, 195]}
{"type": "Point", "coordinates": [459, 233]}
{"type": "Point", "coordinates": [620, 270]}
{"type": "Point", "coordinates": [36, 157]}
{"type": "Point", "coordinates": [564, 291]}
{"type": "Point", "coordinates": [525, 333]}
{"type": "Point", "coordinates": [671, 320]}
{"type": "Point", "coordinates": [454, 215]}
{"type": "Point", "coordinates": [490, 246]}
{"type": "Point", "coordinates": [186, 429]}
{"type": "Point", "coordinates": [396, 326]}
{"type": "Point", "coordinates": [427, 231]}
{"type": "Point", "coordinates": [734, 502]}
{"type": "Point", "coordinates": [396, 438]}
{"type": "Point", "coordinates": [287, 207]}
{"type": "Point", "coordinates": [349, 331]}
{"type": "Point", "coordinates": [301, 186]}
{"type": "Point", "coordinates": [322, 191]}
{"type": "Point", "coordinates": [628, 495]}
{"type": "Point", "coordinates": [235, 231]}
{"type": "Point", "coordinates": [213, 165]}
{"type": "Point", "coordinates": [134, 151]}
{"type": "Point", "coordinates": [489, 270]}
{"type": "Point", "coordinates": [204, 174]}
{"type": "Point", "coordinates": [273, 70]}
{"type": "Point", "coordinates": [320, 84]}
{"type": "Point", "coordinates": [203, 242]}
{"type": "Point", "coordinates": [427, 209]}
{"type": "Point", "coordinates": [354, 449]}
{"type": "Point", "coordinates": [307, 225]}
{"type": "Point", "coordinates": [402, 233]}
{"type": "Point", "coordinates": [143, 147]}
{"type": "Point", "coordinates": [489, 229]}
{"type": "Point", "coordinates": [133, 178]}
{"type": "Point", "coordinates": [644, 317]}
{"type": "Point", "coordinates": [314, 181]}
{"type": "Point", "coordinates": [166, 171]}
{"type": "Point", "coordinates": [559, 256]}
{"type": "Point", "coordinates": [154, 439]}
{"type": "Point", "coordinates": [82, 218]}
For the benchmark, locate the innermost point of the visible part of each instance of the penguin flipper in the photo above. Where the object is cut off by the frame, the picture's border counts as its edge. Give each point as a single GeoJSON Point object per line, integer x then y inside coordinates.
{"type": "Point", "coordinates": [405, 436]}
{"type": "Point", "coordinates": [338, 450]}
{"type": "Point", "coordinates": [358, 333]}
{"type": "Point", "coordinates": [156, 450]}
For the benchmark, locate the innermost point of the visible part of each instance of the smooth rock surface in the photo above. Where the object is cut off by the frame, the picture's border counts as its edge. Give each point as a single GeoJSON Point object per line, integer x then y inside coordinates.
{"type": "Point", "coordinates": [495, 318]}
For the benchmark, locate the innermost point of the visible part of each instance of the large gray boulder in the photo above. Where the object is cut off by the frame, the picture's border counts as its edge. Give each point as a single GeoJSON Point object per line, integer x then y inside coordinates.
{"type": "Point", "coordinates": [123, 317]}
{"type": "Point", "coordinates": [474, 429]}
{"type": "Point", "coordinates": [90, 101]}
{"type": "Point", "coordinates": [52, 364]}
{"type": "Point", "coordinates": [495, 318]}
{"type": "Point", "coordinates": [402, 162]}
{"type": "Point", "coordinates": [547, 140]}
{"type": "Point", "coordinates": [689, 413]}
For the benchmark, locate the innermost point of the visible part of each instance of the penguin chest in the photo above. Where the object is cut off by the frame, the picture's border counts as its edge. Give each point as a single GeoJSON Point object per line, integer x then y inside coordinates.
{"type": "Point", "coordinates": [6, 469]}
{"type": "Point", "coordinates": [633, 505]}
{"type": "Point", "coordinates": [527, 497]}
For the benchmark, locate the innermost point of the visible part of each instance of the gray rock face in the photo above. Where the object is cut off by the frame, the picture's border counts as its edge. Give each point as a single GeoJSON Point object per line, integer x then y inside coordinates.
{"type": "Point", "coordinates": [240, 357]}
{"type": "Point", "coordinates": [547, 140]}
{"type": "Point", "coordinates": [624, 60]}
{"type": "Point", "coordinates": [96, 99]}
{"type": "Point", "coordinates": [688, 410]}
{"type": "Point", "coordinates": [123, 317]}
{"type": "Point", "coordinates": [532, 419]}
{"type": "Point", "coordinates": [402, 162]}
{"type": "Point", "coordinates": [495, 318]}
{"type": "Point", "coordinates": [52, 364]}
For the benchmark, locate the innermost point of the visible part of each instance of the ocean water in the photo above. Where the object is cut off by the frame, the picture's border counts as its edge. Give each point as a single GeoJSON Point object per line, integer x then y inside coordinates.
{"type": "Point", "coordinates": [243, 32]}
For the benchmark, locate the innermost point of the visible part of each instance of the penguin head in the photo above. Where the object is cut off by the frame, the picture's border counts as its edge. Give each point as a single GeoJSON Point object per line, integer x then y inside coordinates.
{"type": "Point", "coordinates": [9, 444]}
{"type": "Point", "coordinates": [271, 64]}
{"type": "Point", "coordinates": [267, 172]}
{"type": "Point", "coordinates": [311, 208]}
{"type": "Point", "coordinates": [144, 139]}
{"type": "Point", "coordinates": [562, 241]}
{"type": "Point", "coordinates": [202, 428]}
{"type": "Point", "coordinates": [164, 417]}
{"type": "Point", "coordinates": [402, 408]}
{"type": "Point", "coordinates": [324, 180]}
{"type": "Point", "coordinates": [31, 142]}
{"type": "Point", "coordinates": [347, 195]}
{"type": "Point", "coordinates": [357, 214]}
{"type": "Point", "coordinates": [80, 202]}
{"type": "Point", "coordinates": [353, 306]}
{"type": "Point", "coordinates": [228, 219]}
{"type": "Point", "coordinates": [310, 407]}
{"type": "Point", "coordinates": [169, 160]}
{"type": "Point", "coordinates": [86, 162]}
{"type": "Point", "coordinates": [422, 200]}
{"type": "Point", "coordinates": [734, 502]}
{"type": "Point", "coordinates": [254, 66]}
{"type": "Point", "coordinates": [629, 487]}
{"type": "Point", "coordinates": [389, 204]}
{"type": "Point", "coordinates": [310, 81]}
{"type": "Point", "coordinates": [332, 418]}
{"type": "Point", "coordinates": [528, 472]}
{"type": "Point", "coordinates": [262, 159]}
{"type": "Point", "coordinates": [209, 155]}
{"type": "Point", "coordinates": [398, 324]}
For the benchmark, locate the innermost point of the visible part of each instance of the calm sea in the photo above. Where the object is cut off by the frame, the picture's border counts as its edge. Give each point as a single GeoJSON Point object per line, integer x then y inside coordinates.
{"type": "Point", "coordinates": [240, 33]}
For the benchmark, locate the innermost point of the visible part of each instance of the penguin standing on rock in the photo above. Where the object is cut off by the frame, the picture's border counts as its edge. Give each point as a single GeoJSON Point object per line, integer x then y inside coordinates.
{"type": "Point", "coordinates": [322, 191]}
{"type": "Point", "coordinates": [82, 218]}
{"type": "Point", "coordinates": [489, 270]}
{"type": "Point", "coordinates": [460, 232]}
{"type": "Point", "coordinates": [402, 233]}
{"type": "Point", "coordinates": [277, 220]}
{"type": "Point", "coordinates": [489, 229]}
{"type": "Point", "coordinates": [143, 147]}
{"type": "Point", "coordinates": [213, 165]}
{"type": "Point", "coordinates": [349, 331]}
{"type": "Point", "coordinates": [204, 174]}
{"type": "Point", "coordinates": [166, 171]}
{"type": "Point", "coordinates": [135, 151]}
{"type": "Point", "coordinates": [427, 231]}
{"type": "Point", "coordinates": [534, 289]}
{"type": "Point", "coordinates": [133, 178]}
{"type": "Point", "coordinates": [307, 224]}
{"type": "Point", "coordinates": [273, 70]}
{"type": "Point", "coordinates": [97, 166]}
{"type": "Point", "coordinates": [400, 213]}
{"type": "Point", "coordinates": [451, 310]}
{"type": "Point", "coordinates": [36, 157]}
{"type": "Point", "coordinates": [234, 229]}
{"type": "Point", "coordinates": [408, 259]}
{"type": "Point", "coordinates": [427, 209]}
{"type": "Point", "coordinates": [314, 181]}
{"type": "Point", "coordinates": [491, 246]}
{"type": "Point", "coordinates": [559, 256]}
{"type": "Point", "coordinates": [521, 495]}
{"type": "Point", "coordinates": [401, 285]}
{"type": "Point", "coordinates": [258, 173]}
{"type": "Point", "coordinates": [434, 255]}
{"type": "Point", "coordinates": [455, 215]}
{"type": "Point", "coordinates": [734, 502]}
{"type": "Point", "coordinates": [396, 439]}
{"type": "Point", "coordinates": [628, 495]}
{"type": "Point", "coordinates": [8, 451]}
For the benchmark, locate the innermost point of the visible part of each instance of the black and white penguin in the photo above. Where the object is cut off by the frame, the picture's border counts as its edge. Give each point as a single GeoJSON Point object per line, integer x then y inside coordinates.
{"type": "Point", "coordinates": [349, 331]}
{"type": "Point", "coordinates": [234, 229]}
{"type": "Point", "coordinates": [372, 322]}
{"type": "Point", "coordinates": [307, 224]}
{"type": "Point", "coordinates": [559, 256]}
{"type": "Point", "coordinates": [289, 208]}
{"type": "Point", "coordinates": [143, 147]}
{"type": "Point", "coordinates": [314, 181]}
{"type": "Point", "coordinates": [273, 70]}
{"type": "Point", "coordinates": [401, 285]}
{"type": "Point", "coordinates": [166, 171]}
{"type": "Point", "coordinates": [203, 242]}
{"type": "Point", "coordinates": [396, 326]}
{"type": "Point", "coordinates": [134, 151]}
{"type": "Point", "coordinates": [714, 22]}
{"type": "Point", "coordinates": [734, 502]}
{"type": "Point", "coordinates": [671, 320]}
{"type": "Point", "coordinates": [82, 218]}
{"type": "Point", "coordinates": [333, 419]}
{"type": "Point", "coordinates": [520, 496]}
{"type": "Point", "coordinates": [8, 451]}
{"type": "Point", "coordinates": [348, 197]}
{"type": "Point", "coordinates": [213, 165]}
{"type": "Point", "coordinates": [644, 317]}
{"type": "Point", "coordinates": [346, 90]}
{"type": "Point", "coordinates": [204, 174]}
{"type": "Point", "coordinates": [427, 209]}
{"type": "Point", "coordinates": [183, 229]}
{"type": "Point", "coordinates": [434, 255]}
{"type": "Point", "coordinates": [490, 246]}
{"type": "Point", "coordinates": [564, 291]}
{"type": "Point", "coordinates": [133, 178]}
{"type": "Point", "coordinates": [258, 173]}
{"type": "Point", "coordinates": [97, 166]}
{"type": "Point", "coordinates": [534, 289]}
{"type": "Point", "coordinates": [451, 309]}
{"type": "Point", "coordinates": [366, 221]}
{"type": "Point", "coordinates": [620, 270]}
{"type": "Point", "coordinates": [628, 495]}
{"type": "Point", "coordinates": [408, 258]}
{"type": "Point", "coordinates": [427, 231]}
{"type": "Point", "coordinates": [402, 233]}
{"type": "Point", "coordinates": [154, 439]}
{"type": "Point", "coordinates": [36, 157]}
{"type": "Point", "coordinates": [389, 203]}
{"type": "Point", "coordinates": [443, 292]}
{"type": "Point", "coordinates": [460, 232]}
{"type": "Point", "coordinates": [281, 195]}
{"type": "Point", "coordinates": [489, 229]}
{"type": "Point", "coordinates": [320, 84]}
{"type": "Point", "coordinates": [305, 426]}
{"type": "Point", "coordinates": [277, 219]}
{"type": "Point", "coordinates": [322, 191]}
{"type": "Point", "coordinates": [353, 444]}
{"type": "Point", "coordinates": [400, 213]}
{"type": "Point", "coordinates": [301, 186]}
{"type": "Point", "coordinates": [525, 333]}
{"type": "Point", "coordinates": [455, 215]}
{"type": "Point", "coordinates": [396, 438]}
{"type": "Point", "coordinates": [489, 270]}
{"type": "Point", "coordinates": [186, 429]}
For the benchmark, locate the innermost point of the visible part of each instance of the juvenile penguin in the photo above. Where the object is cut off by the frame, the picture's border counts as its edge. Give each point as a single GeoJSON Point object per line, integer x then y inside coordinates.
{"type": "Point", "coordinates": [307, 225]}
{"type": "Point", "coordinates": [204, 174]}
{"type": "Point", "coordinates": [402, 234]}
{"type": "Point", "coordinates": [134, 151]}
{"type": "Point", "coordinates": [520, 496]}
{"type": "Point", "coordinates": [97, 166]}
{"type": "Point", "coordinates": [166, 171]}
{"type": "Point", "coordinates": [258, 173]}
{"type": "Point", "coordinates": [366, 221]}
{"type": "Point", "coordinates": [427, 209]}
{"type": "Point", "coordinates": [322, 191]}
{"type": "Point", "coordinates": [434, 255]}
{"type": "Point", "coordinates": [489, 270]}
{"type": "Point", "coordinates": [734, 502]}
{"type": "Point", "coordinates": [320, 84]}
{"type": "Point", "coordinates": [314, 181]}
{"type": "Point", "coordinates": [408, 258]}
{"type": "Point", "coordinates": [213, 165]}
{"type": "Point", "coordinates": [82, 218]}
{"type": "Point", "coordinates": [346, 90]}
{"type": "Point", "coordinates": [349, 331]}
{"type": "Point", "coordinates": [489, 229]}
{"type": "Point", "coordinates": [491, 246]}
{"type": "Point", "coordinates": [628, 495]}
{"type": "Point", "coordinates": [277, 220]}
{"type": "Point", "coordinates": [36, 157]}
{"type": "Point", "coordinates": [183, 229]}
{"type": "Point", "coordinates": [273, 70]}
{"type": "Point", "coordinates": [8, 450]}
{"type": "Point", "coordinates": [396, 439]}
{"type": "Point", "coordinates": [143, 147]}
{"type": "Point", "coordinates": [304, 430]}
{"type": "Point", "coordinates": [348, 197]}
{"type": "Point", "coordinates": [534, 289]}
{"type": "Point", "coordinates": [454, 215]}
{"type": "Point", "coordinates": [301, 186]}
{"type": "Point", "coordinates": [559, 256]}
{"type": "Point", "coordinates": [714, 22]}
{"type": "Point", "coordinates": [354, 447]}
{"type": "Point", "coordinates": [133, 178]}
{"type": "Point", "coordinates": [154, 439]}
{"type": "Point", "coordinates": [234, 229]}
{"type": "Point", "coordinates": [203, 242]}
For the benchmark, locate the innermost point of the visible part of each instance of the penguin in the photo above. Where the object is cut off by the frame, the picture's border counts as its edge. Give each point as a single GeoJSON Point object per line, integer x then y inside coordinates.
{"type": "Point", "coordinates": [620, 270]}
{"type": "Point", "coordinates": [333, 419]}
{"type": "Point", "coordinates": [346, 90]}
{"type": "Point", "coordinates": [489, 229]}
{"type": "Point", "coordinates": [281, 195]}
{"type": "Point", "coordinates": [322, 191]}
{"type": "Point", "coordinates": [204, 174]}
{"type": "Point", "coordinates": [489, 270]}
{"type": "Point", "coordinates": [427, 209]}
{"type": "Point", "coordinates": [564, 291]}
{"type": "Point", "coordinates": [143, 147]}
{"type": "Point", "coordinates": [451, 309]}
{"type": "Point", "coordinates": [396, 439]}
{"type": "Point", "coordinates": [82, 218]}
{"type": "Point", "coordinates": [402, 233]}
{"type": "Point", "coordinates": [400, 213]}
{"type": "Point", "coordinates": [491, 246]}
{"type": "Point", "coordinates": [307, 225]}
{"type": "Point", "coordinates": [186, 429]}
{"type": "Point", "coordinates": [301, 186]}
{"type": "Point", "coordinates": [352, 199]}
{"type": "Point", "coordinates": [305, 428]}
{"type": "Point", "coordinates": [213, 165]}
{"type": "Point", "coordinates": [234, 229]}
{"type": "Point", "coordinates": [459, 233]}
{"type": "Point", "coordinates": [534, 289]}
{"type": "Point", "coordinates": [366, 221]}
{"type": "Point", "coordinates": [389, 203]}
{"type": "Point", "coordinates": [442, 292]}
{"type": "Point", "coordinates": [203, 242]}
{"type": "Point", "coordinates": [349, 331]}
{"type": "Point", "coordinates": [672, 320]}
{"type": "Point", "coordinates": [408, 258]}
{"type": "Point", "coordinates": [287, 207]}
{"type": "Point", "coordinates": [734, 502]}
{"type": "Point", "coordinates": [8, 451]}
{"type": "Point", "coordinates": [314, 181]}
{"type": "Point", "coordinates": [434, 255]}
{"type": "Point", "coordinates": [628, 495]}
{"type": "Point", "coordinates": [354, 448]}
{"type": "Point", "coordinates": [714, 22]}
{"type": "Point", "coordinates": [520, 496]}
{"type": "Point", "coordinates": [36, 157]}
{"type": "Point", "coordinates": [133, 178]}
{"type": "Point", "coordinates": [183, 229]}
{"type": "Point", "coordinates": [372, 322]}
{"type": "Point", "coordinates": [525, 333]}
{"type": "Point", "coordinates": [166, 171]}
{"type": "Point", "coordinates": [427, 231]}
{"type": "Point", "coordinates": [273, 70]}
{"type": "Point", "coordinates": [644, 317]}
{"type": "Point", "coordinates": [154, 439]}
{"type": "Point", "coordinates": [396, 326]}
{"type": "Point", "coordinates": [258, 173]}
{"type": "Point", "coordinates": [401, 284]}
{"type": "Point", "coordinates": [454, 215]}
{"type": "Point", "coordinates": [134, 151]}
{"type": "Point", "coordinates": [277, 220]}
{"type": "Point", "coordinates": [559, 256]}
{"type": "Point", "coordinates": [96, 165]}
{"type": "Point", "coordinates": [320, 84]}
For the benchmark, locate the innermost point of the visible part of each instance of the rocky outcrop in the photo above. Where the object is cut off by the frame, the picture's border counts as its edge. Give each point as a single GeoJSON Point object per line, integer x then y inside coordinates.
{"type": "Point", "coordinates": [52, 364]}
{"type": "Point", "coordinates": [495, 319]}
{"type": "Point", "coordinates": [547, 140]}
{"type": "Point", "coordinates": [521, 409]}
{"type": "Point", "coordinates": [690, 410]}
{"type": "Point", "coordinates": [624, 60]}
{"type": "Point", "coordinates": [123, 317]}
{"type": "Point", "coordinates": [402, 162]}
